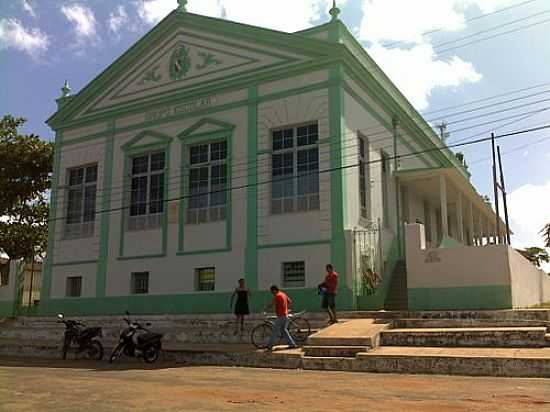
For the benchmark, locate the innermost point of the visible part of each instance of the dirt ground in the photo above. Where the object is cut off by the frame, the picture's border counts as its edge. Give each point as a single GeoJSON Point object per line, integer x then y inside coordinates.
{"type": "Point", "coordinates": [82, 386]}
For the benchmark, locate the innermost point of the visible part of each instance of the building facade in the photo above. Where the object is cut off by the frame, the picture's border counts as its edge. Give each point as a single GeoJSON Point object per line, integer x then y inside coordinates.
{"type": "Point", "coordinates": [212, 150]}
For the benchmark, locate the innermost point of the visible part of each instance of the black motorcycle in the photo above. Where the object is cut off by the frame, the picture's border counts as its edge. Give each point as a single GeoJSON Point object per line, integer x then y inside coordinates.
{"type": "Point", "coordinates": [138, 342]}
{"type": "Point", "coordinates": [86, 339]}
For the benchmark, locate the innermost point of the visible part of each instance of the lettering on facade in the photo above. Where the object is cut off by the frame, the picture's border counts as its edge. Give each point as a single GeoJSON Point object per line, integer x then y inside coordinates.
{"type": "Point", "coordinates": [183, 108]}
{"type": "Point", "coordinates": [432, 256]}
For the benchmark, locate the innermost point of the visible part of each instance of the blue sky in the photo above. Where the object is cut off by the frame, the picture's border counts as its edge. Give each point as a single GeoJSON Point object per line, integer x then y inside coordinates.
{"type": "Point", "coordinates": [45, 42]}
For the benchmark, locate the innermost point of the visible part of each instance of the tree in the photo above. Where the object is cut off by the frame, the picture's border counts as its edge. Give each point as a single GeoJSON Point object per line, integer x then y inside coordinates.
{"type": "Point", "coordinates": [25, 177]}
{"type": "Point", "coordinates": [546, 234]}
{"type": "Point", "coordinates": [536, 255]}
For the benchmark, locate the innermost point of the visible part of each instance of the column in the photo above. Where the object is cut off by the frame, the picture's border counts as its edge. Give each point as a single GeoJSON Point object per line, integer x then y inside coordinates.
{"type": "Point", "coordinates": [443, 199]}
{"type": "Point", "coordinates": [471, 228]}
{"type": "Point", "coordinates": [481, 232]}
{"type": "Point", "coordinates": [459, 218]}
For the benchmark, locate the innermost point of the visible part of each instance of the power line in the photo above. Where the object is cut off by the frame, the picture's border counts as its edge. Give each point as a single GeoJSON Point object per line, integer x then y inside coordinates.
{"type": "Point", "coordinates": [329, 170]}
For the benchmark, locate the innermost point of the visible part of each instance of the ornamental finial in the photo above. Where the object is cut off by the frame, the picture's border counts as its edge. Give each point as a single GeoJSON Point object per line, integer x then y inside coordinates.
{"type": "Point", "coordinates": [335, 11]}
{"type": "Point", "coordinates": [182, 6]}
{"type": "Point", "coordinates": [66, 89]}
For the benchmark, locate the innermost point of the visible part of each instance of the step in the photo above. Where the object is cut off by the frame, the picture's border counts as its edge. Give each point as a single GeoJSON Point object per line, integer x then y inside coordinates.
{"type": "Point", "coordinates": [547, 339]}
{"type": "Point", "coordinates": [465, 323]}
{"type": "Point", "coordinates": [355, 332]}
{"type": "Point", "coordinates": [334, 351]}
{"type": "Point", "coordinates": [534, 363]}
{"type": "Point", "coordinates": [528, 337]}
{"type": "Point", "coordinates": [329, 363]}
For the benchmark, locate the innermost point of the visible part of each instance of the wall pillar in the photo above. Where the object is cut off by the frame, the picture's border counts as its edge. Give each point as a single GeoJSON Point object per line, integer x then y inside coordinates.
{"type": "Point", "coordinates": [471, 227]}
{"type": "Point", "coordinates": [460, 218]}
{"type": "Point", "coordinates": [443, 200]}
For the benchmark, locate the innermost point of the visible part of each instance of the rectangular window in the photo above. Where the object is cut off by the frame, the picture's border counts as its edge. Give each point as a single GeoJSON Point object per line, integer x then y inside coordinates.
{"type": "Point", "coordinates": [207, 183]}
{"type": "Point", "coordinates": [385, 182]}
{"type": "Point", "coordinates": [81, 200]}
{"type": "Point", "coordinates": [295, 169]}
{"type": "Point", "coordinates": [294, 274]}
{"type": "Point", "coordinates": [147, 191]}
{"type": "Point", "coordinates": [206, 279]}
{"type": "Point", "coordinates": [4, 274]}
{"type": "Point", "coordinates": [140, 283]}
{"type": "Point", "coordinates": [363, 175]}
{"type": "Point", "coordinates": [74, 286]}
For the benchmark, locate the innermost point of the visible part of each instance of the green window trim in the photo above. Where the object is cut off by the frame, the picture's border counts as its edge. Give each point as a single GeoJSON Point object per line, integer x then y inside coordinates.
{"type": "Point", "coordinates": [190, 137]}
{"type": "Point", "coordinates": [133, 148]}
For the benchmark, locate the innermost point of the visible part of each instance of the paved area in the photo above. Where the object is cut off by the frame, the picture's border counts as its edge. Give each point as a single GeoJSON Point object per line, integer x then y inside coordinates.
{"type": "Point", "coordinates": [82, 386]}
{"type": "Point", "coordinates": [539, 353]}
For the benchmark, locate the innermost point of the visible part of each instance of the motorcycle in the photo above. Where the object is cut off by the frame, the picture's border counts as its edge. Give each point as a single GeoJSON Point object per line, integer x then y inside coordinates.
{"type": "Point", "coordinates": [85, 338]}
{"type": "Point", "coordinates": [137, 341]}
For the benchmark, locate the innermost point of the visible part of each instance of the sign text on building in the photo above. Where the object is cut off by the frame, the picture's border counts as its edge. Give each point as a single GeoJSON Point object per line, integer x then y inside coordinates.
{"type": "Point", "coordinates": [182, 108]}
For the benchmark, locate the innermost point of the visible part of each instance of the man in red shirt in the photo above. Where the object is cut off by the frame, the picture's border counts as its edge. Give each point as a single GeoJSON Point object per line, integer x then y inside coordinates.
{"type": "Point", "coordinates": [330, 289]}
{"type": "Point", "coordinates": [280, 328]}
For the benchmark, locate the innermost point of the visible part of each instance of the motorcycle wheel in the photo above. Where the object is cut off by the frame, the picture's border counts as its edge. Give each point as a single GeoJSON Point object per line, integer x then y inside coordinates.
{"type": "Point", "coordinates": [95, 350]}
{"type": "Point", "coordinates": [151, 354]}
{"type": "Point", "coordinates": [115, 354]}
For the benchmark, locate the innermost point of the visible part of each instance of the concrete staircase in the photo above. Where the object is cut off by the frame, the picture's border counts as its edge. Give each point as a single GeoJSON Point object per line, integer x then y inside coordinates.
{"type": "Point", "coordinates": [397, 298]}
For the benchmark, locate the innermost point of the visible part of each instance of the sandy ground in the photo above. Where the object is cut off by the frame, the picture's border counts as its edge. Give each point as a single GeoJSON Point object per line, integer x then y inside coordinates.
{"type": "Point", "coordinates": [82, 386]}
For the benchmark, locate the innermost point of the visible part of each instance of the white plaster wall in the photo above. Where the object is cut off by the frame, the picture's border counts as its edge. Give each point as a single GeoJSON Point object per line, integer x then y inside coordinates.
{"type": "Point", "coordinates": [61, 273]}
{"type": "Point", "coordinates": [459, 266]}
{"type": "Point", "coordinates": [73, 156]}
{"type": "Point", "coordinates": [78, 132]}
{"type": "Point", "coordinates": [546, 289]}
{"type": "Point", "coordinates": [270, 263]}
{"type": "Point", "coordinates": [7, 292]}
{"type": "Point", "coordinates": [528, 282]}
{"type": "Point", "coordinates": [208, 236]}
{"type": "Point", "coordinates": [293, 227]}
{"type": "Point", "coordinates": [293, 82]}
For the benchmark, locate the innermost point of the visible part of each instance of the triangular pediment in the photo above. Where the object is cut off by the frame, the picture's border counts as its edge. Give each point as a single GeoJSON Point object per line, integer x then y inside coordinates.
{"type": "Point", "coordinates": [186, 54]}
{"type": "Point", "coordinates": [146, 139]}
{"type": "Point", "coordinates": [206, 126]}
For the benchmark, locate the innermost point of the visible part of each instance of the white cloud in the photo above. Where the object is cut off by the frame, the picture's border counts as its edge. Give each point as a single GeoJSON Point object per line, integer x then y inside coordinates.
{"type": "Point", "coordinates": [285, 15]}
{"type": "Point", "coordinates": [529, 212]}
{"type": "Point", "coordinates": [417, 71]}
{"type": "Point", "coordinates": [28, 7]}
{"type": "Point", "coordinates": [117, 19]}
{"type": "Point", "coordinates": [14, 35]}
{"type": "Point", "coordinates": [83, 20]}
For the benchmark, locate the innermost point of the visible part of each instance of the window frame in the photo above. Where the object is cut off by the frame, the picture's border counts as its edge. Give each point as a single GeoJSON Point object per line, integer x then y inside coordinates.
{"type": "Point", "coordinates": [148, 220]}
{"type": "Point", "coordinates": [69, 287]}
{"type": "Point", "coordinates": [83, 228]}
{"type": "Point", "coordinates": [385, 169]}
{"type": "Point", "coordinates": [284, 281]}
{"type": "Point", "coordinates": [312, 198]}
{"type": "Point", "coordinates": [198, 283]}
{"type": "Point", "coordinates": [211, 212]}
{"type": "Point", "coordinates": [134, 283]}
{"type": "Point", "coordinates": [363, 154]}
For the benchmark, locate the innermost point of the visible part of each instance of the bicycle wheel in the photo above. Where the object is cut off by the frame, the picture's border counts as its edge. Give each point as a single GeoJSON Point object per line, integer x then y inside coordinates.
{"type": "Point", "coordinates": [300, 329]}
{"type": "Point", "coordinates": [260, 335]}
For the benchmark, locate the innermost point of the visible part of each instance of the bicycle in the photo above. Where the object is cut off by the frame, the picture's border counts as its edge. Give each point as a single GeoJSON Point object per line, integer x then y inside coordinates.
{"type": "Point", "coordinates": [298, 327]}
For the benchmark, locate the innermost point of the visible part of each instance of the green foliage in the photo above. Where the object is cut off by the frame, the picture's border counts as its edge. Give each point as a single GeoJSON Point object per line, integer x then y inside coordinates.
{"type": "Point", "coordinates": [25, 177]}
{"type": "Point", "coordinates": [536, 255]}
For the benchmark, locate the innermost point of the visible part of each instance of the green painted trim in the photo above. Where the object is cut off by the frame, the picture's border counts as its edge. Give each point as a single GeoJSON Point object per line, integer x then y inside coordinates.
{"type": "Point", "coordinates": [187, 139]}
{"type": "Point", "coordinates": [251, 250]}
{"type": "Point", "coordinates": [461, 298]}
{"type": "Point", "coordinates": [133, 144]}
{"type": "Point", "coordinates": [47, 272]}
{"type": "Point", "coordinates": [336, 127]}
{"type": "Point", "coordinates": [102, 267]}
{"type": "Point", "coordinates": [296, 244]}
{"type": "Point", "coordinates": [76, 262]}
{"type": "Point", "coordinates": [221, 126]}
{"type": "Point", "coordinates": [131, 149]}
{"type": "Point", "coordinates": [195, 303]}
{"type": "Point", "coordinates": [142, 257]}
{"type": "Point", "coordinates": [7, 308]}
{"type": "Point", "coordinates": [405, 172]}
{"type": "Point", "coordinates": [204, 252]}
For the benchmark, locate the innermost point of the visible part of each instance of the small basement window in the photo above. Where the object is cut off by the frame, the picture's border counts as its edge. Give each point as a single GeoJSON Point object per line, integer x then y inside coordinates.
{"type": "Point", "coordinates": [140, 283]}
{"type": "Point", "coordinates": [4, 274]}
{"type": "Point", "coordinates": [74, 287]}
{"type": "Point", "coordinates": [206, 279]}
{"type": "Point", "coordinates": [294, 274]}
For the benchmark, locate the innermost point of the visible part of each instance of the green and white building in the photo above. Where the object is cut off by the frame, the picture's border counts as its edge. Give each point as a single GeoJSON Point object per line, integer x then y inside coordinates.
{"type": "Point", "coordinates": [213, 150]}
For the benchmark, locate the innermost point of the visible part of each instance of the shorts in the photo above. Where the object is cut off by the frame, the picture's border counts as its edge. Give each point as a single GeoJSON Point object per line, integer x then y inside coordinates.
{"type": "Point", "coordinates": [329, 301]}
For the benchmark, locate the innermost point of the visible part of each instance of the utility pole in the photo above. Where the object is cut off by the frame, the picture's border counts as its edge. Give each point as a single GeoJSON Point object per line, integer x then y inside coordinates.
{"type": "Point", "coordinates": [443, 134]}
{"type": "Point", "coordinates": [502, 187]}
{"type": "Point", "coordinates": [495, 187]}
